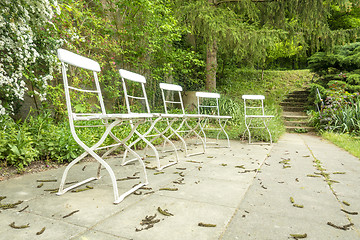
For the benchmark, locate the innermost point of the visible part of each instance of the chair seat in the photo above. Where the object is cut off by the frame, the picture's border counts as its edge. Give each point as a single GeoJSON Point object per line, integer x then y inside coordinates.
{"type": "Point", "coordinates": [129, 116]}
{"type": "Point", "coordinates": [172, 115]}
{"type": "Point", "coordinates": [216, 117]}
{"type": "Point", "coordinates": [259, 116]}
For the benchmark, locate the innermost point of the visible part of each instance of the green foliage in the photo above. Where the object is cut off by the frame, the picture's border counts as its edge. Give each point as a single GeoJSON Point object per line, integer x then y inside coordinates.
{"type": "Point", "coordinates": [342, 59]}
{"type": "Point", "coordinates": [339, 75]}
{"type": "Point", "coordinates": [16, 144]}
{"type": "Point", "coordinates": [339, 88]}
{"type": "Point", "coordinates": [189, 70]}
{"type": "Point", "coordinates": [345, 18]}
{"type": "Point", "coordinates": [340, 110]}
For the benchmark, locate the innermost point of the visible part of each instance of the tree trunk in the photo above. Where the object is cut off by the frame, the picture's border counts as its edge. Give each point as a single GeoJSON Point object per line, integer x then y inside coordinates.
{"type": "Point", "coordinates": [211, 66]}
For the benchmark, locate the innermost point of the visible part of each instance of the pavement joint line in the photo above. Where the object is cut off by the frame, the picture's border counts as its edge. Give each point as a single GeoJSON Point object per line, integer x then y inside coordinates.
{"type": "Point", "coordinates": [249, 185]}
{"type": "Point", "coordinates": [55, 220]}
{"type": "Point", "coordinates": [327, 180]}
{"type": "Point", "coordinates": [105, 219]}
{"type": "Point", "coordinates": [90, 229]}
{"type": "Point", "coordinates": [196, 201]}
{"type": "Point", "coordinates": [192, 169]}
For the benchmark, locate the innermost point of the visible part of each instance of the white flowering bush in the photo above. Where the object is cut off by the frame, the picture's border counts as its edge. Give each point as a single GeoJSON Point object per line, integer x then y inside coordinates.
{"type": "Point", "coordinates": [26, 50]}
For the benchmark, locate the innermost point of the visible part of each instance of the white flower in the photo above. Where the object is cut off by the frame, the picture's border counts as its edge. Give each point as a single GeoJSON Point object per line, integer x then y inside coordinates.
{"type": "Point", "coordinates": [2, 110]}
{"type": "Point", "coordinates": [17, 41]}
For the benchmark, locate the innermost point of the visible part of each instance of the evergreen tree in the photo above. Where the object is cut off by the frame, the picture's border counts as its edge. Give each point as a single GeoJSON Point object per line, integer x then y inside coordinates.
{"type": "Point", "coordinates": [249, 28]}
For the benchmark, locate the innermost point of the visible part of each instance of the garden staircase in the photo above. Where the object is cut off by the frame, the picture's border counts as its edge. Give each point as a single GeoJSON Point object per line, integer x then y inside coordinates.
{"type": "Point", "coordinates": [295, 118]}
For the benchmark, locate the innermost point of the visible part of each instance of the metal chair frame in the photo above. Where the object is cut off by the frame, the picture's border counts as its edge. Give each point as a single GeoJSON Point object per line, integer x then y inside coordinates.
{"type": "Point", "coordinates": [214, 116]}
{"type": "Point", "coordinates": [108, 121]}
{"type": "Point", "coordinates": [148, 137]}
{"type": "Point", "coordinates": [184, 126]}
{"type": "Point", "coordinates": [249, 117]}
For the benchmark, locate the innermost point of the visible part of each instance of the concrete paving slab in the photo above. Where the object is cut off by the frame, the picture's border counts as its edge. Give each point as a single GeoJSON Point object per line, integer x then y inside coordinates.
{"type": "Point", "coordinates": [92, 234]}
{"type": "Point", "coordinates": [229, 173]}
{"type": "Point", "coordinates": [208, 190]}
{"type": "Point", "coordinates": [266, 226]}
{"type": "Point", "coordinates": [220, 187]}
{"type": "Point", "coordinates": [182, 225]}
{"type": "Point", "coordinates": [24, 188]}
{"type": "Point", "coordinates": [268, 198]}
{"type": "Point", "coordinates": [53, 229]}
{"type": "Point", "coordinates": [92, 206]}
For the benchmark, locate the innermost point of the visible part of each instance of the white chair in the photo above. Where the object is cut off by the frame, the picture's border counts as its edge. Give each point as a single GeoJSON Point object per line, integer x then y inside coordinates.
{"type": "Point", "coordinates": [149, 136]}
{"type": "Point", "coordinates": [184, 127]}
{"type": "Point", "coordinates": [208, 105]}
{"type": "Point", "coordinates": [254, 109]}
{"type": "Point", "coordinates": [95, 119]}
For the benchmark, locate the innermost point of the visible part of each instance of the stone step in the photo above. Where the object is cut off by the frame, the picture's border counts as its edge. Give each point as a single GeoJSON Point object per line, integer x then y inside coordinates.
{"type": "Point", "coordinates": [296, 123]}
{"type": "Point", "coordinates": [293, 108]}
{"type": "Point", "coordinates": [296, 99]}
{"type": "Point", "coordinates": [292, 103]}
{"type": "Point", "coordinates": [295, 118]}
{"type": "Point", "coordinates": [300, 129]}
{"type": "Point", "coordinates": [299, 93]}
{"type": "Point", "coordinates": [291, 113]}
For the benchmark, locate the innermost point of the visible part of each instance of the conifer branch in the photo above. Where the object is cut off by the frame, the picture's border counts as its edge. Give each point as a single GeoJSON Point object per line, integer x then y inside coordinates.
{"type": "Point", "coordinates": [232, 1]}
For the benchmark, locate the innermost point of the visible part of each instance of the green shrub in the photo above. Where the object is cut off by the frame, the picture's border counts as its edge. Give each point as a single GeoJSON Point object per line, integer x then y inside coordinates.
{"type": "Point", "coordinates": [340, 112]}
{"type": "Point", "coordinates": [16, 144]}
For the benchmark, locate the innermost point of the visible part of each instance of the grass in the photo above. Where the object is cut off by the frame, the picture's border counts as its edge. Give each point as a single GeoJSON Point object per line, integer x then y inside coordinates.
{"type": "Point", "coordinates": [274, 85]}
{"type": "Point", "coordinates": [344, 141]}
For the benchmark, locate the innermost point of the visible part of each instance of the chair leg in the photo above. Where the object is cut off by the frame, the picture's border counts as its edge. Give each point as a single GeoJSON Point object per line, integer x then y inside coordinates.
{"type": "Point", "coordinates": [102, 162]}
{"type": "Point", "coordinates": [268, 131]}
{"type": "Point", "coordinates": [127, 148]}
{"type": "Point", "coordinates": [222, 129]}
{"type": "Point", "coordinates": [65, 173]}
{"type": "Point", "coordinates": [202, 129]}
{"type": "Point", "coordinates": [166, 139]}
{"type": "Point", "coordinates": [176, 133]}
{"type": "Point", "coordinates": [133, 189]}
{"type": "Point", "coordinates": [148, 143]}
{"type": "Point", "coordinates": [193, 130]}
{"type": "Point", "coordinates": [248, 129]}
{"type": "Point", "coordinates": [171, 143]}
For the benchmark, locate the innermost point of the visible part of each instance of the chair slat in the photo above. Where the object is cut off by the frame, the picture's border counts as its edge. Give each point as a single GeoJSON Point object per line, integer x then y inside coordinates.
{"type": "Point", "coordinates": [77, 60]}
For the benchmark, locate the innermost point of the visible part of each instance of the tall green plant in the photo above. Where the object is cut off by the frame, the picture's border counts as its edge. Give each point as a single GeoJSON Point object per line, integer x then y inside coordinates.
{"type": "Point", "coordinates": [16, 144]}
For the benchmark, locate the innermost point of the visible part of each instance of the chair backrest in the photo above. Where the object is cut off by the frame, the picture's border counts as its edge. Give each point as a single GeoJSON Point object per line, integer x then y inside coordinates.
{"type": "Point", "coordinates": [126, 77]}
{"type": "Point", "coordinates": [257, 103]}
{"type": "Point", "coordinates": [208, 103]}
{"type": "Point", "coordinates": [70, 58]}
{"type": "Point", "coordinates": [171, 88]}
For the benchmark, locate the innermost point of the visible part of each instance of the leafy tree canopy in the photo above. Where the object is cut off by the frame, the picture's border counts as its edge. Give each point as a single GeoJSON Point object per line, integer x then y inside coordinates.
{"type": "Point", "coordinates": [343, 59]}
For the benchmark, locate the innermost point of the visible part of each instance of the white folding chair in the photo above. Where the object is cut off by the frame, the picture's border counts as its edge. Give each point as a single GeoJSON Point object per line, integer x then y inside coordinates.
{"type": "Point", "coordinates": [184, 127]}
{"type": "Point", "coordinates": [98, 119]}
{"type": "Point", "coordinates": [149, 136]}
{"type": "Point", "coordinates": [254, 109]}
{"type": "Point", "coordinates": [208, 105]}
